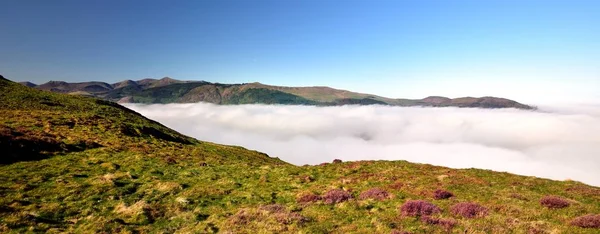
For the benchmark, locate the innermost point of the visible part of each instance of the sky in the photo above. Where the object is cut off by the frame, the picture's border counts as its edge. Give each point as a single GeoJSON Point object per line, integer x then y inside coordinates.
{"type": "Point", "coordinates": [534, 51]}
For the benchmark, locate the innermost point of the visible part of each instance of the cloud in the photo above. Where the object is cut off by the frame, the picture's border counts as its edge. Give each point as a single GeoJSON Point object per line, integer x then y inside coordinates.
{"type": "Point", "coordinates": [554, 142]}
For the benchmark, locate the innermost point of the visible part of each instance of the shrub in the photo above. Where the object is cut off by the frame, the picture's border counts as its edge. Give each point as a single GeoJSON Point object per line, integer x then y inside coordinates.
{"type": "Point", "coordinates": [273, 208]}
{"type": "Point", "coordinates": [418, 208]}
{"type": "Point", "coordinates": [396, 185]}
{"type": "Point", "coordinates": [446, 223]}
{"type": "Point", "coordinates": [399, 232]}
{"type": "Point", "coordinates": [587, 221]}
{"type": "Point", "coordinates": [469, 210]}
{"type": "Point", "coordinates": [288, 218]}
{"type": "Point", "coordinates": [337, 161]}
{"type": "Point", "coordinates": [518, 196]}
{"type": "Point", "coordinates": [170, 160]}
{"type": "Point", "coordinates": [442, 194]}
{"type": "Point", "coordinates": [307, 198]}
{"type": "Point", "coordinates": [242, 217]}
{"type": "Point", "coordinates": [375, 194]}
{"type": "Point", "coordinates": [336, 196]}
{"type": "Point", "coordinates": [554, 202]}
{"type": "Point", "coordinates": [306, 178]}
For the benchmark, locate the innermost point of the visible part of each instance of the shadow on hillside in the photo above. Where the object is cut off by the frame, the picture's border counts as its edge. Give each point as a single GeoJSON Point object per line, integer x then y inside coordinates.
{"type": "Point", "coordinates": [23, 145]}
{"type": "Point", "coordinates": [140, 131]}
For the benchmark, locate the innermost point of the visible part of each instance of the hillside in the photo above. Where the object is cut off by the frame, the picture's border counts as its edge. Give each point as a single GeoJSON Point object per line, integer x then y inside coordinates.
{"type": "Point", "coordinates": [168, 90]}
{"type": "Point", "coordinates": [78, 164]}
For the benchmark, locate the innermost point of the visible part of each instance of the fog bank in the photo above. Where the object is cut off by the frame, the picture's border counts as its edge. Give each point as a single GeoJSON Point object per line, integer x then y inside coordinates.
{"type": "Point", "coordinates": [561, 142]}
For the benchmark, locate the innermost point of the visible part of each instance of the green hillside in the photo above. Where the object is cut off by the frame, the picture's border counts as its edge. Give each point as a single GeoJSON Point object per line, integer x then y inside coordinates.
{"type": "Point", "coordinates": [77, 164]}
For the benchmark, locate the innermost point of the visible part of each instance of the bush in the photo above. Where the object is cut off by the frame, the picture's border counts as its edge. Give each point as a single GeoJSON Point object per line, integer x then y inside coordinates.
{"type": "Point", "coordinates": [305, 178]}
{"type": "Point", "coordinates": [399, 232]}
{"type": "Point", "coordinates": [518, 196]}
{"type": "Point", "coordinates": [587, 221]}
{"type": "Point", "coordinates": [554, 202]}
{"type": "Point", "coordinates": [337, 161]}
{"type": "Point", "coordinates": [273, 208]}
{"type": "Point", "coordinates": [375, 194]}
{"type": "Point", "coordinates": [288, 218]}
{"type": "Point", "coordinates": [307, 198]}
{"type": "Point", "coordinates": [418, 208]}
{"type": "Point", "coordinates": [442, 194]}
{"type": "Point", "coordinates": [448, 224]}
{"type": "Point", "coordinates": [336, 196]}
{"type": "Point", "coordinates": [469, 210]}
{"type": "Point", "coordinates": [242, 217]}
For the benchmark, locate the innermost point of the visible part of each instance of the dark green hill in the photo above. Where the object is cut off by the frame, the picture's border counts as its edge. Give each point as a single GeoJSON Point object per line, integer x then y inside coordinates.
{"type": "Point", "coordinates": [167, 90]}
{"type": "Point", "coordinates": [74, 164]}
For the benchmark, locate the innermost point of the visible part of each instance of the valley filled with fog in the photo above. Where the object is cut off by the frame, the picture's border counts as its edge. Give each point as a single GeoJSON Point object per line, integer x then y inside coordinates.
{"type": "Point", "coordinates": [556, 142]}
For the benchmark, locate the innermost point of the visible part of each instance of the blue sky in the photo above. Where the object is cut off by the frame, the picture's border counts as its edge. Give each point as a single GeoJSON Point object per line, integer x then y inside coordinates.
{"type": "Point", "coordinates": [523, 49]}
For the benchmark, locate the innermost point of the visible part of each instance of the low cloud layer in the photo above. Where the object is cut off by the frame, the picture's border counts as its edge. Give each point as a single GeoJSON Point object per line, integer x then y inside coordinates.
{"type": "Point", "coordinates": [554, 142]}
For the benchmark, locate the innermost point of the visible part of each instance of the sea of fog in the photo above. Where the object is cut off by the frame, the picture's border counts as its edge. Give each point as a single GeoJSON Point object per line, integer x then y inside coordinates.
{"type": "Point", "coordinates": [556, 142]}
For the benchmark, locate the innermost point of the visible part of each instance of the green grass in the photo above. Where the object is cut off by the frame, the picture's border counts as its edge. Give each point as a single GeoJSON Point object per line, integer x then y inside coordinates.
{"type": "Point", "coordinates": [266, 96]}
{"type": "Point", "coordinates": [131, 174]}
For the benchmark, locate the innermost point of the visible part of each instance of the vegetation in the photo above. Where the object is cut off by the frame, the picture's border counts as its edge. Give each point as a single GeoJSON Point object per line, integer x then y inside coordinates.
{"type": "Point", "coordinates": [418, 208]}
{"type": "Point", "coordinates": [375, 194]}
{"type": "Point", "coordinates": [266, 96]}
{"type": "Point", "coordinates": [83, 165]}
{"type": "Point", "coordinates": [469, 210]}
{"type": "Point", "coordinates": [442, 194]}
{"type": "Point", "coordinates": [587, 221]}
{"type": "Point", "coordinates": [554, 202]}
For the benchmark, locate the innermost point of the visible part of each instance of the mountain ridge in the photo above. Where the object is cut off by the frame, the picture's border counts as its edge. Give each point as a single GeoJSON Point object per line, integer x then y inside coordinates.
{"type": "Point", "coordinates": [169, 90]}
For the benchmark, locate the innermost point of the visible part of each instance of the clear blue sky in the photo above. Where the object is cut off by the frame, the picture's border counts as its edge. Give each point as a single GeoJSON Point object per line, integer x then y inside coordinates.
{"type": "Point", "coordinates": [401, 48]}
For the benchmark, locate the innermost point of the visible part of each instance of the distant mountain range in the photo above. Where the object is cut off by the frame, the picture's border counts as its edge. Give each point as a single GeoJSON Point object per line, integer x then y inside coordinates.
{"type": "Point", "coordinates": [168, 90]}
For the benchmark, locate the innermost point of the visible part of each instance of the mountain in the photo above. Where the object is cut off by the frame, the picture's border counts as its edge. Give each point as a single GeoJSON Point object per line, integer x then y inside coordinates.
{"type": "Point", "coordinates": [78, 164]}
{"type": "Point", "coordinates": [28, 84]}
{"type": "Point", "coordinates": [88, 88]}
{"type": "Point", "coordinates": [168, 90]}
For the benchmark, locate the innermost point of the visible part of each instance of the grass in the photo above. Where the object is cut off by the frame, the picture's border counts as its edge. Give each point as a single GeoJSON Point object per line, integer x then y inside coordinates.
{"type": "Point", "coordinates": [104, 168]}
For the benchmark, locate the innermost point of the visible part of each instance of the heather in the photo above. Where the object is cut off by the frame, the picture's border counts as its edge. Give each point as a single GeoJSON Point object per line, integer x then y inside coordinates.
{"type": "Point", "coordinates": [418, 208]}
{"type": "Point", "coordinates": [308, 197]}
{"type": "Point", "coordinates": [336, 196]}
{"type": "Point", "coordinates": [554, 202]}
{"type": "Point", "coordinates": [442, 194]}
{"type": "Point", "coordinates": [469, 210]}
{"type": "Point", "coordinates": [375, 194]}
{"type": "Point", "coordinates": [446, 223]}
{"type": "Point", "coordinates": [587, 221]}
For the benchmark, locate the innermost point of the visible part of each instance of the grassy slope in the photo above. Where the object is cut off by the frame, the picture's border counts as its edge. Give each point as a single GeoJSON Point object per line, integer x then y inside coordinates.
{"type": "Point", "coordinates": [132, 174]}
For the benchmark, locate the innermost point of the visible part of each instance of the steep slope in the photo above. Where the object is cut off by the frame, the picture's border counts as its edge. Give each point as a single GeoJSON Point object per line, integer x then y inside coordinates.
{"type": "Point", "coordinates": [28, 84]}
{"type": "Point", "coordinates": [319, 93]}
{"type": "Point", "coordinates": [168, 90]}
{"type": "Point", "coordinates": [61, 124]}
{"type": "Point", "coordinates": [153, 83]}
{"type": "Point", "coordinates": [99, 167]}
{"type": "Point", "coordinates": [482, 102]}
{"type": "Point", "coordinates": [92, 87]}
{"type": "Point", "coordinates": [125, 83]}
